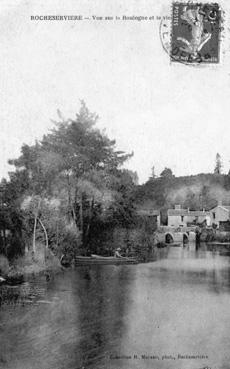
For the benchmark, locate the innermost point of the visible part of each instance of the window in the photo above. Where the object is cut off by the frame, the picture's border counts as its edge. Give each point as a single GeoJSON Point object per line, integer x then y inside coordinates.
{"type": "Point", "coordinates": [214, 215]}
{"type": "Point", "coordinates": [182, 218]}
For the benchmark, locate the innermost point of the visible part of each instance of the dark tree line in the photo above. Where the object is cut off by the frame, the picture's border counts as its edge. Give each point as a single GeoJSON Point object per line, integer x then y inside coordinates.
{"type": "Point", "coordinates": [66, 186]}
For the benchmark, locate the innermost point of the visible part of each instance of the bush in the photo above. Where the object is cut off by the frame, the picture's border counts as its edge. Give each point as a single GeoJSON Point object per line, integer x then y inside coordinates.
{"type": "Point", "coordinates": [4, 265]}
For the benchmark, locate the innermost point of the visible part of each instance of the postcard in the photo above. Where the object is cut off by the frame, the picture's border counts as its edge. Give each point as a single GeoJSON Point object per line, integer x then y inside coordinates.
{"type": "Point", "coordinates": [115, 184]}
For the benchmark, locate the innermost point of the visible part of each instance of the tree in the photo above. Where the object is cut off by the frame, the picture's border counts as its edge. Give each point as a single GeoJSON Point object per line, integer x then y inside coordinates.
{"type": "Point", "coordinates": [167, 173]}
{"type": "Point", "coordinates": [153, 173]}
{"type": "Point", "coordinates": [133, 176]}
{"type": "Point", "coordinates": [34, 207]}
{"type": "Point", "coordinates": [79, 153]}
{"type": "Point", "coordinates": [219, 165]}
{"type": "Point", "coordinates": [79, 164]}
{"type": "Point", "coordinates": [11, 223]}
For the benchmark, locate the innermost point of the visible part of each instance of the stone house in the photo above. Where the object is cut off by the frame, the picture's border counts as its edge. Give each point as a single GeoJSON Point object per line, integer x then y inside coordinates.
{"type": "Point", "coordinates": [179, 217]}
{"type": "Point", "coordinates": [220, 214]}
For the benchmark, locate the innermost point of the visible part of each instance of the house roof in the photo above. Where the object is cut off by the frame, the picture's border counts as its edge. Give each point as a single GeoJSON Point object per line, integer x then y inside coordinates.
{"type": "Point", "coordinates": [178, 212]}
{"type": "Point", "coordinates": [186, 212]}
{"type": "Point", "coordinates": [148, 212]}
{"type": "Point", "coordinates": [225, 207]}
{"type": "Point", "coordinates": [198, 213]}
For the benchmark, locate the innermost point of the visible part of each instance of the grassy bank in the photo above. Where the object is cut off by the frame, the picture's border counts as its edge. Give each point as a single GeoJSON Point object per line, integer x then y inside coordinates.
{"type": "Point", "coordinates": [210, 235]}
{"type": "Point", "coordinates": [31, 263]}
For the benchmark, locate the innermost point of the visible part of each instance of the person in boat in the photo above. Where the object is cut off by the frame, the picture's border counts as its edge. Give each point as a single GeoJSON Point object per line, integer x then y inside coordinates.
{"type": "Point", "coordinates": [117, 253]}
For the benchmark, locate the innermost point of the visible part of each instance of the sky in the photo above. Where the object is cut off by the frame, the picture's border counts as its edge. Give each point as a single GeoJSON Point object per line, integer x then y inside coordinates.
{"type": "Point", "coordinates": [169, 114]}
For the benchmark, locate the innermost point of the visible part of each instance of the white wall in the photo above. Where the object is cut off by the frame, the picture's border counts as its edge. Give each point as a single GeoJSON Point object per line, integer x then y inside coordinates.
{"type": "Point", "coordinates": [220, 215]}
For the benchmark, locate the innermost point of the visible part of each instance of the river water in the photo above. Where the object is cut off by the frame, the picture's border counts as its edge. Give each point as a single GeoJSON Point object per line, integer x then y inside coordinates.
{"type": "Point", "coordinates": [170, 313]}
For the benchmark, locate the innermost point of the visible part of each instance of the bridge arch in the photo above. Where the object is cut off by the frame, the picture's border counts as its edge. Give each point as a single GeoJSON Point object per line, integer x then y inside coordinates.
{"type": "Point", "coordinates": [185, 237]}
{"type": "Point", "coordinates": [169, 238]}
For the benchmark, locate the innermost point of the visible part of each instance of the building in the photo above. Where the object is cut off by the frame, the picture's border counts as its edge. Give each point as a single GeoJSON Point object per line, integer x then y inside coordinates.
{"type": "Point", "coordinates": [179, 217]}
{"type": "Point", "coordinates": [151, 214]}
{"type": "Point", "coordinates": [220, 214]}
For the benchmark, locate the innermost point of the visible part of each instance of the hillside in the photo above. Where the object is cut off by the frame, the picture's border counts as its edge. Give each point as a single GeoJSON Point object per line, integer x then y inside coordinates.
{"type": "Point", "coordinates": [194, 192]}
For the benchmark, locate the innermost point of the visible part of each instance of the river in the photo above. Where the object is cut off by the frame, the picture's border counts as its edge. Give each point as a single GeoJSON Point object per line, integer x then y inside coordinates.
{"type": "Point", "coordinates": [170, 313]}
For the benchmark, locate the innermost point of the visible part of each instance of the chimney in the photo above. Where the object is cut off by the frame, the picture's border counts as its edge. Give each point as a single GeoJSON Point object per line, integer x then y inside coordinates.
{"type": "Point", "coordinates": [220, 202]}
{"type": "Point", "coordinates": [188, 210]}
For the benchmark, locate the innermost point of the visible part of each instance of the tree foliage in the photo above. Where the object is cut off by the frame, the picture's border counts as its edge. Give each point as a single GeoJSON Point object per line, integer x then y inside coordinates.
{"type": "Point", "coordinates": [77, 165]}
{"type": "Point", "coordinates": [218, 165]}
{"type": "Point", "coordinates": [166, 173]}
{"type": "Point", "coordinates": [194, 192]}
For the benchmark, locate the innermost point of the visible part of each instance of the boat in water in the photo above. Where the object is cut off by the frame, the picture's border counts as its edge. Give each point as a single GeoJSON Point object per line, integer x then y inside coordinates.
{"type": "Point", "coordinates": [2, 280]}
{"type": "Point", "coordinates": [14, 278]}
{"type": "Point", "coordinates": [97, 259]}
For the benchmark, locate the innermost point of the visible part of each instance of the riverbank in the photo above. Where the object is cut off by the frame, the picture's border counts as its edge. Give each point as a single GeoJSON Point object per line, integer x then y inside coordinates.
{"type": "Point", "coordinates": [31, 263]}
{"type": "Point", "coordinates": [214, 235]}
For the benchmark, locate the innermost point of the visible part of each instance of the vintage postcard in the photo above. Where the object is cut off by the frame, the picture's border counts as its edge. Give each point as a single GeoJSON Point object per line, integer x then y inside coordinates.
{"type": "Point", "coordinates": [114, 184]}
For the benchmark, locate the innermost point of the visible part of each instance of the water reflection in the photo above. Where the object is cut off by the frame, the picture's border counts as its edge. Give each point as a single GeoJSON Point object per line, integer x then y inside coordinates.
{"type": "Point", "coordinates": [102, 311]}
{"type": "Point", "coordinates": [110, 316]}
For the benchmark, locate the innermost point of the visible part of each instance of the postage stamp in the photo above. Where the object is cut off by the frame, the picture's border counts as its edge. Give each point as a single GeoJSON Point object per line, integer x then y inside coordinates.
{"type": "Point", "coordinates": [195, 33]}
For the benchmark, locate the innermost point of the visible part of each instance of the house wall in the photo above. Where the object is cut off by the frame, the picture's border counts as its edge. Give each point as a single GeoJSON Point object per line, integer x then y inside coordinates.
{"type": "Point", "coordinates": [158, 221]}
{"type": "Point", "coordinates": [176, 221]}
{"type": "Point", "coordinates": [198, 219]}
{"type": "Point", "coordinates": [221, 214]}
{"type": "Point", "coordinates": [208, 220]}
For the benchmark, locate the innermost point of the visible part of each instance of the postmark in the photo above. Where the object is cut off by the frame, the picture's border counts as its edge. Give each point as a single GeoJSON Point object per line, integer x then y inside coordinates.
{"type": "Point", "coordinates": [165, 34]}
{"type": "Point", "coordinates": [195, 33]}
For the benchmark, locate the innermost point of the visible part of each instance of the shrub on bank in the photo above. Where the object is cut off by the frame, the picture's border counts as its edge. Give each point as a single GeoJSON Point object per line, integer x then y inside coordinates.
{"type": "Point", "coordinates": [4, 265]}
{"type": "Point", "coordinates": [222, 236]}
{"type": "Point", "coordinates": [43, 259]}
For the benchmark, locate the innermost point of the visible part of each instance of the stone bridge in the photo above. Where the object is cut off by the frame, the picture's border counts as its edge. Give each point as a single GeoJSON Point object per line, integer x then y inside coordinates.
{"type": "Point", "coordinates": [166, 234]}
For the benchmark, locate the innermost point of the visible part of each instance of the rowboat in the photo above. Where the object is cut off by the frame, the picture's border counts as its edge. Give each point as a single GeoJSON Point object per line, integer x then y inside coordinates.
{"type": "Point", "coordinates": [14, 278]}
{"type": "Point", "coordinates": [2, 280]}
{"type": "Point", "coordinates": [97, 259]}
